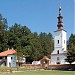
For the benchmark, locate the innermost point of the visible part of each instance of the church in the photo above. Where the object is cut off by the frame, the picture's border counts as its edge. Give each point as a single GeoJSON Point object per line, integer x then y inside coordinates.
{"type": "Point", "coordinates": [58, 55]}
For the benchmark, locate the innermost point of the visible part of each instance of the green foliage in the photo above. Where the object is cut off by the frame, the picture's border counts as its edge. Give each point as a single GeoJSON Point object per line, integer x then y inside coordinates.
{"type": "Point", "coordinates": [3, 33]}
{"type": "Point", "coordinates": [32, 45]}
{"type": "Point", "coordinates": [71, 49]}
{"type": "Point", "coordinates": [46, 43]}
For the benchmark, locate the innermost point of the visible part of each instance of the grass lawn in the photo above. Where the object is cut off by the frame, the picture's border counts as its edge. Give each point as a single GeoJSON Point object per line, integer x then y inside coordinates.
{"type": "Point", "coordinates": [45, 72]}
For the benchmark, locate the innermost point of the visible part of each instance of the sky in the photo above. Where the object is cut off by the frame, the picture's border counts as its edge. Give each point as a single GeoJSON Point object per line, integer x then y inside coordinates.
{"type": "Point", "coordinates": [39, 15]}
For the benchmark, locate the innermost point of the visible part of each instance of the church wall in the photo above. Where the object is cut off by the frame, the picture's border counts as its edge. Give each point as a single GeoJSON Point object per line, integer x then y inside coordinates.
{"type": "Point", "coordinates": [64, 41]}
{"type": "Point", "coordinates": [56, 38]}
{"type": "Point", "coordinates": [61, 36]}
{"type": "Point", "coordinates": [61, 46]}
{"type": "Point", "coordinates": [58, 59]}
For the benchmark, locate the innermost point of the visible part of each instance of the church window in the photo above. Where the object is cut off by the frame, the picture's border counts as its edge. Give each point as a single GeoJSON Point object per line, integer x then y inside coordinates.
{"type": "Point", "coordinates": [57, 58]}
{"type": "Point", "coordinates": [11, 58]}
{"type": "Point", "coordinates": [58, 41]}
{"type": "Point", "coordinates": [64, 41]}
{"type": "Point", "coordinates": [58, 52]}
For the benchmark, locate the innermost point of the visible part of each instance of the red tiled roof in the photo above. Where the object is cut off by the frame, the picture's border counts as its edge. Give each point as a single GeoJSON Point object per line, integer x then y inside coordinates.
{"type": "Point", "coordinates": [7, 52]}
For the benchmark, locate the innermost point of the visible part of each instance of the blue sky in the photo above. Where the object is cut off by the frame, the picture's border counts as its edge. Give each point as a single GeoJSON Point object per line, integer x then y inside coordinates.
{"type": "Point", "coordinates": [39, 15]}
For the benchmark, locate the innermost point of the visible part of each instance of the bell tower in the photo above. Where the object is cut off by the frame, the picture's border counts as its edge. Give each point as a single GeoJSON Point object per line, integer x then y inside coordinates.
{"type": "Point", "coordinates": [59, 54]}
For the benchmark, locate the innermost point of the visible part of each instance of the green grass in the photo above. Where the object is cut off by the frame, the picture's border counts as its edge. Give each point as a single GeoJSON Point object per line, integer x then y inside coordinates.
{"type": "Point", "coordinates": [45, 72]}
{"type": "Point", "coordinates": [6, 69]}
{"type": "Point", "coordinates": [33, 71]}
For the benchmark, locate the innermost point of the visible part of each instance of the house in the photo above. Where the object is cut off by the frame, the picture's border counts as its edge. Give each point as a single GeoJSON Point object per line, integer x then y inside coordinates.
{"type": "Point", "coordinates": [58, 55]}
{"type": "Point", "coordinates": [8, 58]}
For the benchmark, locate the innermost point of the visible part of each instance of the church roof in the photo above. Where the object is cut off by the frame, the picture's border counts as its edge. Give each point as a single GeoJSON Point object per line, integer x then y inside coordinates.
{"type": "Point", "coordinates": [45, 58]}
{"type": "Point", "coordinates": [7, 52]}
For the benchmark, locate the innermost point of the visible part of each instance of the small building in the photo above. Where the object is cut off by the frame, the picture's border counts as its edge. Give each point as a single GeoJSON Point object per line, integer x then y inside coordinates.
{"type": "Point", "coordinates": [45, 62]}
{"type": "Point", "coordinates": [8, 58]}
{"type": "Point", "coordinates": [36, 62]}
{"type": "Point", "coordinates": [20, 61]}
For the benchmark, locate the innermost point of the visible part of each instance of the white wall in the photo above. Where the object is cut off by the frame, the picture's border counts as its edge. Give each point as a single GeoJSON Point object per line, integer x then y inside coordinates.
{"type": "Point", "coordinates": [62, 58]}
{"type": "Point", "coordinates": [11, 61]}
{"type": "Point", "coordinates": [36, 62]}
{"type": "Point", "coordinates": [64, 45]}
{"type": "Point", "coordinates": [61, 36]}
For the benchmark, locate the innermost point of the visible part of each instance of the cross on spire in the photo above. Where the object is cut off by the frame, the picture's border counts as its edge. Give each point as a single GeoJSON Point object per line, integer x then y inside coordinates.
{"type": "Point", "coordinates": [60, 11]}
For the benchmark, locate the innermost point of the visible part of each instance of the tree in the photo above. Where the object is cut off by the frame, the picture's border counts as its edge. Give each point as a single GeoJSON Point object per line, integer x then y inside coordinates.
{"type": "Point", "coordinates": [35, 46]}
{"type": "Point", "coordinates": [25, 42]}
{"type": "Point", "coordinates": [49, 44]}
{"type": "Point", "coordinates": [3, 33]}
{"type": "Point", "coordinates": [71, 49]}
{"type": "Point", "coordinates": [46, 44]}
{"type": "Point", "coordinates": [71, 55]}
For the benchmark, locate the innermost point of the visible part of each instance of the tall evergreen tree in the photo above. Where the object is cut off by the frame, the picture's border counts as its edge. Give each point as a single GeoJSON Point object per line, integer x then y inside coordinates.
{"type": "Point", "coordinates": [71, 49]}
{"type": "Point", "coordinates": [3, 33]}
{"type": "Point", "coordinates": [31, 45]}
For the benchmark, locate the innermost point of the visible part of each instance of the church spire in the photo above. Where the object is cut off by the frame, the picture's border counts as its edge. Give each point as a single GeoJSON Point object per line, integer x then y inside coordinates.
{"type": "Point", "coordinates": [60, 23]}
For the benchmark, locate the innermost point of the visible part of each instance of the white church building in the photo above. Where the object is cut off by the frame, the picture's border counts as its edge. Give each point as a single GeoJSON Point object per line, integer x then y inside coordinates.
{"type": "Point", "coordinates": [60, 46]}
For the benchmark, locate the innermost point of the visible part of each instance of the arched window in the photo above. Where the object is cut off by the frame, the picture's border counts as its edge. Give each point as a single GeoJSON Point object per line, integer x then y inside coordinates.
{"type": "Point", "coordinates": [58, 52]}
{"type": "Point", "coordinates": [11, 58]}
{"type": "Point", "coordinates": [58, 41]}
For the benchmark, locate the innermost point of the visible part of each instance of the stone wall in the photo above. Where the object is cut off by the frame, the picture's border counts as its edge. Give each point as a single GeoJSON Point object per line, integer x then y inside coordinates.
{"type": "Point", "coordinates": [31, 66]}
{"type": "Point", "coordinates": [62, 67]}
{"type": "Point", "coordinates": [51, 67]}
